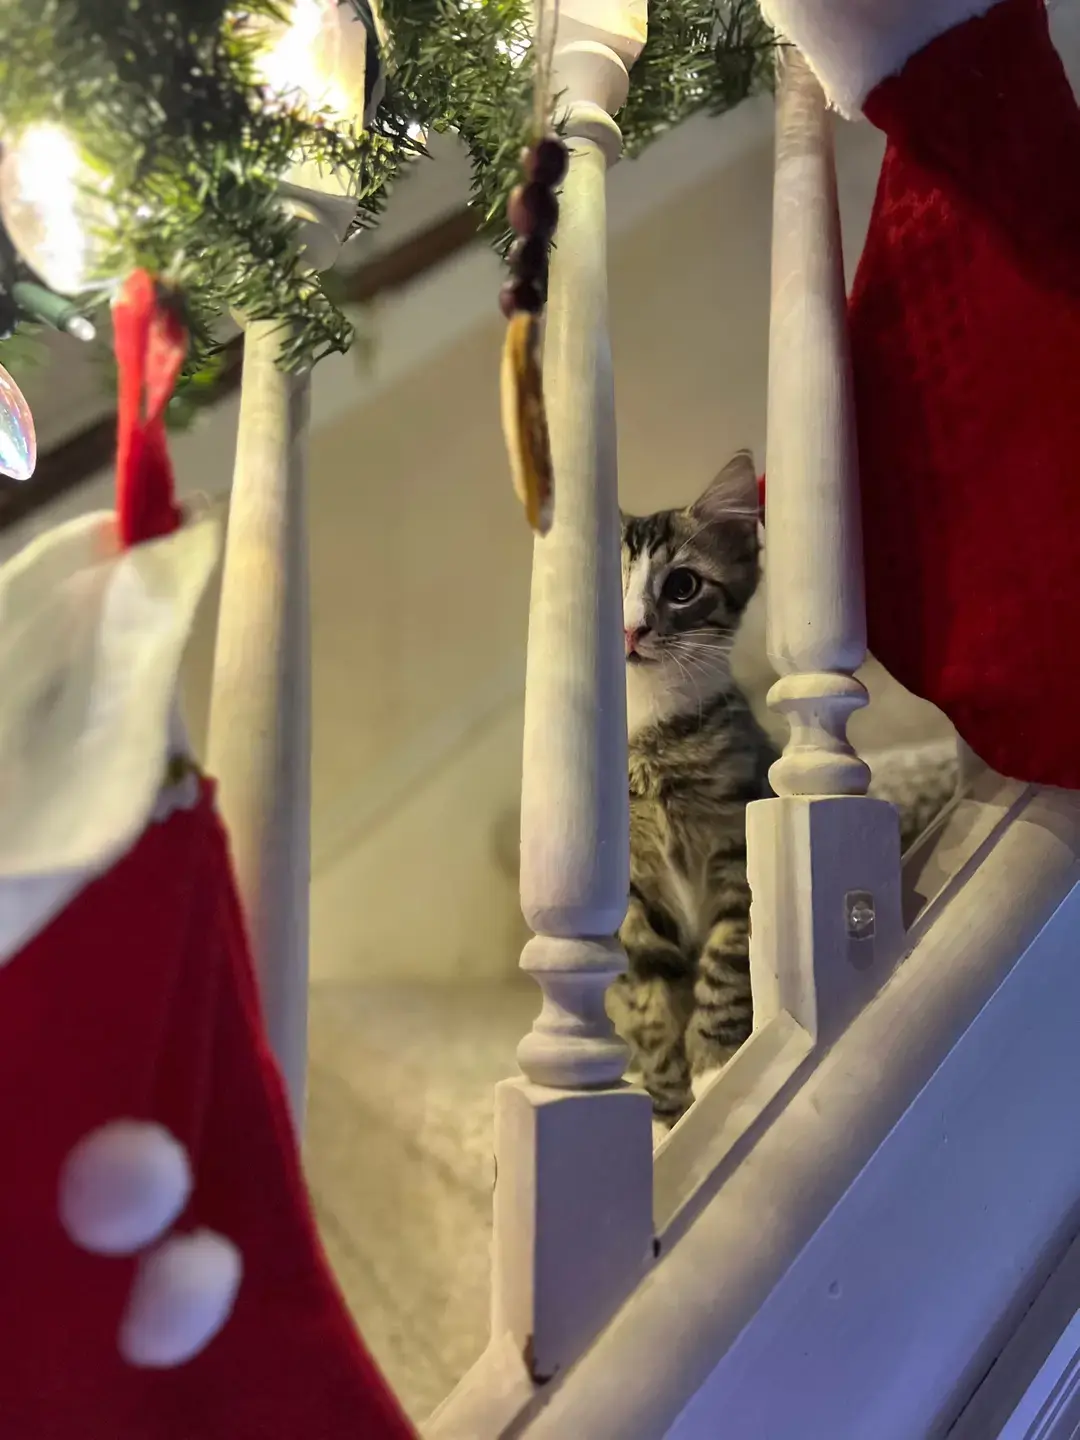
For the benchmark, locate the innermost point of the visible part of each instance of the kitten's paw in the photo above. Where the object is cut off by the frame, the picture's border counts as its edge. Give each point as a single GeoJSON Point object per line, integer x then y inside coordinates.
{"type": "Point", "coordinates": [701, 1082]}
{"type": "Point", "coordinates": [706, 1056]}
{"type": "Point", "coordinates": [660, 1131]}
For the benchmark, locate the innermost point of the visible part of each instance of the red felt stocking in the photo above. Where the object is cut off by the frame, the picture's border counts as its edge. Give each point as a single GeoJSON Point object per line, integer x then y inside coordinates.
{"type": "Point", "coordinates": [965, 330]}
{"type": "Point", "coordinates": [161, 1274]}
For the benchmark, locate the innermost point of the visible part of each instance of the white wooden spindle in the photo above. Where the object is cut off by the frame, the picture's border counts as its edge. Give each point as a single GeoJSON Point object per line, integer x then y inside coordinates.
{"type": "Point", "coordinates": [573, 1198]}
{"type": "Point", "coordinates": [824, 858]}
{"type": "Point", "coordinates": [816, 623]}
{"type": "Point", "coordinates": [259, 743]}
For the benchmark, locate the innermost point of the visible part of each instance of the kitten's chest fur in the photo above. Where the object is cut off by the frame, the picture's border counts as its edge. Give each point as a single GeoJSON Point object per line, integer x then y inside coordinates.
{"type": "Point", "coordinates": [691, 778]}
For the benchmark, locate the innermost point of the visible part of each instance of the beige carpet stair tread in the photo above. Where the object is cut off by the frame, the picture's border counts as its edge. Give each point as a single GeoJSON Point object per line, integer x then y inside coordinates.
{"type": "Point", "coordinates": [398, 1147]}
{"type": "Point", "coordinates": [398, 1158]}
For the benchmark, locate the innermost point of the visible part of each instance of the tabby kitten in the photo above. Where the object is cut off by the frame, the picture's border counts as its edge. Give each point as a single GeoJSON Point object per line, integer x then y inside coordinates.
{"type": "Point", "coordinates": [697, 757]}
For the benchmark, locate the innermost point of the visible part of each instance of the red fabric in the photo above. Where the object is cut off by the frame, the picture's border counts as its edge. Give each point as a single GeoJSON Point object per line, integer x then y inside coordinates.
{"type": "Point", "coordinates": [138, 1002]}
{"type": "Point", "coordinates": [965, 330]}
{"type": "Point", "coordinates": [150, 343]}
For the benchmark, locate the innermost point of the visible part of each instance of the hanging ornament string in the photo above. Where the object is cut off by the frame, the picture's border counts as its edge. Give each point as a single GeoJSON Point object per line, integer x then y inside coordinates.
{"type": "Point", "coordinates": [533, 213]}
{"type": "Point", "coordinates": [151, 344]}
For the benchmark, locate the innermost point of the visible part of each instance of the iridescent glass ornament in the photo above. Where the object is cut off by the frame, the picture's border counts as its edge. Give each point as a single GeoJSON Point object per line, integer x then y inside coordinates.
{"type": "Point", "coordinates": [18, 442]}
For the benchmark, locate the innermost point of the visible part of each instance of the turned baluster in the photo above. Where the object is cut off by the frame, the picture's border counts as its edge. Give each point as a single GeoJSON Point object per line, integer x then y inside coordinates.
{"type": "Point", "coordinates": [573, 1198]}
{"type": "Point", "coordinates": [259, 739]}
{"type": "Point", "coordinates": [824, 858]}
{"type": "Point", "coordinates": [259, 742]}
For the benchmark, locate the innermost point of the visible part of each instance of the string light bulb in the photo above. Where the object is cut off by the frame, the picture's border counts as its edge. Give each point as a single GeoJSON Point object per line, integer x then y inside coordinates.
{"type": "Point", "coordinates": [323, 59]}
{"type": "Point", "coordinates": [54, 207]}
{"type": "Point", "coordinates": [318, 59]}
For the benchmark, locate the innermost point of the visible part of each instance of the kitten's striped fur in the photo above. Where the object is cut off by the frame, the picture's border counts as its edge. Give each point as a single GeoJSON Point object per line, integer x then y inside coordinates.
{"type": "Point", "coordinates": [697, 757]}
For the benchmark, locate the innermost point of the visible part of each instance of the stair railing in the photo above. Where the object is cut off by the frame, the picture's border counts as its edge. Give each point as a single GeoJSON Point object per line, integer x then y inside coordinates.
{"type": "Point", "coordinates": [824, 859]}
{"type": "Point", "coordinates": [573, 1197]}
{"type": "Point", "coordinates": [259, 738]}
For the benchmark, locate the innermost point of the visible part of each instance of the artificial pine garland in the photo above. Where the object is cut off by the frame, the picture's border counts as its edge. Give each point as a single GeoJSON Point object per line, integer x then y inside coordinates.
{"type": "Point", "coordinates": [465, 65]}
{"type": "Point", "coordinates": [700, 55]}
{"type": "Point", "coordinates": [163, 98]}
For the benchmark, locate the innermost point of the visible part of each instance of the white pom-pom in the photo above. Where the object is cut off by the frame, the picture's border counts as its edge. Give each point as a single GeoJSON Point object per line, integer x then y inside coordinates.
{"type": "Point", "coordinates": [183, 1294]}
{"type": "Point", "coordinates": [123, 1186]}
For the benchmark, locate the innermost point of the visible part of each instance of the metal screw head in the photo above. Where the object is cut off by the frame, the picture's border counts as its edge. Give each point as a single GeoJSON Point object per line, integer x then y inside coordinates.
{"type": "Point", "coordinates": [859, 914]}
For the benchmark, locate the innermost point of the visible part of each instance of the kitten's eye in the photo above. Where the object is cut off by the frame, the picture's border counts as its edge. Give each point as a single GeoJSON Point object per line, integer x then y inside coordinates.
{"type": "Point", "coordinates": [681, 586]}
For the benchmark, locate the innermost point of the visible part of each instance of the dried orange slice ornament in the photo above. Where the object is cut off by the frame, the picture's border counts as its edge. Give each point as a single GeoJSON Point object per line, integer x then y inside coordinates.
{"type": "Point", "coordinates": [533, 213]}
{"type": "Point", "coordinates": [525, 420]}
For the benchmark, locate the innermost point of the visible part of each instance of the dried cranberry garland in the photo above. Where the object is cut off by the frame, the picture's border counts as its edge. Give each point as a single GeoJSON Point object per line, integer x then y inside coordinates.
{"type": "Point", "coordinates": [533, 213]}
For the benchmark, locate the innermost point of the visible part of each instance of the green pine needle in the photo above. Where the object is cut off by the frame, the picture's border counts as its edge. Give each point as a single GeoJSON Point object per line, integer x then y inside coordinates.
{"type": "Point", "coordinates": [701, 55]}
{"type": "Point", "coordinates": [467, 65]}
{"type": "Point", "coordinates": [24, 352]}
{"type": "Point", "coordinates": [162, 96]}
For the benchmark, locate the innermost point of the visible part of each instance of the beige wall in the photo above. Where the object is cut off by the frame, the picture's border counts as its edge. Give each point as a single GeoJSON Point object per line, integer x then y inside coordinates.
{"type": "Point", "coordinates": [421, 580]}
{"type": "Point", "coordinates": [421, 554]}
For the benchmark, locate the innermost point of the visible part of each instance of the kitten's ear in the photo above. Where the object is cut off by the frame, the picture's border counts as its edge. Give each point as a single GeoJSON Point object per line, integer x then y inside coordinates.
{"type": "Point", "coordinates": [733, 495]}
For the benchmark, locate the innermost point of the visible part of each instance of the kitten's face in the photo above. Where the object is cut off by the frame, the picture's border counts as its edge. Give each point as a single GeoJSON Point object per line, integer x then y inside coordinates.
{"type": "Point", "coordinates": [688, 575]}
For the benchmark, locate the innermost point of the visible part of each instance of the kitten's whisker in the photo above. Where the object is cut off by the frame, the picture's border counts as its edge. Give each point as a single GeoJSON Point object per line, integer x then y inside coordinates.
{"type": "Point", "coordinates": [706, 653]}
{"type": "Point", "coordinates": [705, 632]}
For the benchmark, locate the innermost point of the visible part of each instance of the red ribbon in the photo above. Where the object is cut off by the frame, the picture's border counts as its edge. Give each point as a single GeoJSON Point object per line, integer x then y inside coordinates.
{"type": "Point", "coordinates": [150, 344]}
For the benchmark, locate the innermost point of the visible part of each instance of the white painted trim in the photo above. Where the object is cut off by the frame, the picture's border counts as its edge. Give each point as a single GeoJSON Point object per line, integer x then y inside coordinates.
{"type": "Point", "coordinates": [1051, 1394]}
{"type": "Point", "coordinates": [715, 1286]}
{"type": "Point", "coordinates": [690, 1162]}
{"type": "Point", "coordinates": [939, 864]}
{"type": "Point", "coordinates": [1016, 1386]}
{"type": "Point", "coordinates": [489, 1398]}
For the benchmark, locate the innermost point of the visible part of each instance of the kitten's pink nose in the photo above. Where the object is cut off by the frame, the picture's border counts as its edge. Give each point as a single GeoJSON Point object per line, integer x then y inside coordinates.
{"type": "Point", "coordinates": [633, 637]}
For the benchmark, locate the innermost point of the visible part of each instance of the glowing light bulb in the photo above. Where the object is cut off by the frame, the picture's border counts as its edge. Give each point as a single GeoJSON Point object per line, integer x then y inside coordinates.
{"type": "Point", "coordinates": [18, 439]}
{"type": "Point", "coordinates": [318, 59]}
{"type": "Point", "coordinates": [54, 207]}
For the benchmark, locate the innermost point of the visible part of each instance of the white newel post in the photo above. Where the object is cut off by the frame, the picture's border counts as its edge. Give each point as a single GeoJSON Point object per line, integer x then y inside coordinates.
{"type": "Point", "coordinates": [824, 859]}
{"type": "Point", "coordinates": [573, 1145]}
{"type": "Point", "coordinates": [259, 745]}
